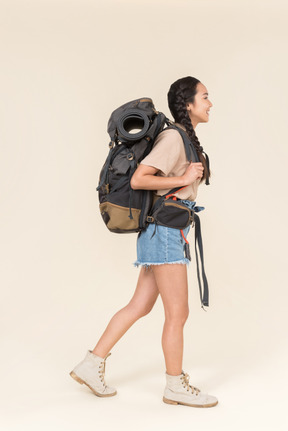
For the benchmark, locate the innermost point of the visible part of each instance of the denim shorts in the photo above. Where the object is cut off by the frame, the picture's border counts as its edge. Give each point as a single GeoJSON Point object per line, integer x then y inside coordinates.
{"type": "Point", "coordinates": [165, 246]}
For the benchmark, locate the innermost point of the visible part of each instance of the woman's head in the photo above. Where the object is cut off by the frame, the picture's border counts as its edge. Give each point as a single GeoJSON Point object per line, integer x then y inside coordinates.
{"type": "Point", "coordinates": [189, 94]}
{"type": "Point", "coordinates": [189, 104]}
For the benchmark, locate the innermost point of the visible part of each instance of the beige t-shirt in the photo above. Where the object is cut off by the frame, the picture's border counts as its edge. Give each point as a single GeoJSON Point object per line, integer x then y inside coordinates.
{"type": "Point", "coordinates": [168, 154]}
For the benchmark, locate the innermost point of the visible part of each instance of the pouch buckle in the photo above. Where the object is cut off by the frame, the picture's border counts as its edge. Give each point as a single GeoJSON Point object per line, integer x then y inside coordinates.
{"type": "Point", "coordinates": [150, 219]}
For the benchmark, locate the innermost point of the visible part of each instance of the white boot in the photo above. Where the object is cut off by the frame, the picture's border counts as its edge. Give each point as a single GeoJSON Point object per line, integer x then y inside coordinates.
{"type": "Point", "coordinates": [178, 391]}
{"type": "Point", "coordinates": [91, 371]}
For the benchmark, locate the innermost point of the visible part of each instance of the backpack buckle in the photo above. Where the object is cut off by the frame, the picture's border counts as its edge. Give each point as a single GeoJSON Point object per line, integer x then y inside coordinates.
{"type": "Point", "coordinates": [130, 156]}
{"type": "Point", "coordinates": [150, 219]}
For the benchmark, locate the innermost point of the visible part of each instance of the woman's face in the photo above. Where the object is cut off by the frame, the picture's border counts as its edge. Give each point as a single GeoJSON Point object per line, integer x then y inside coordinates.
{"type": "Point", "coordinates": [199, 110]}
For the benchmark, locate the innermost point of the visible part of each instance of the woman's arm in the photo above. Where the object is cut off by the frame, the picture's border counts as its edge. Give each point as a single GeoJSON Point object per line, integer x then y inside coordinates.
{"type": "Point", "coordinates": [144, 178]}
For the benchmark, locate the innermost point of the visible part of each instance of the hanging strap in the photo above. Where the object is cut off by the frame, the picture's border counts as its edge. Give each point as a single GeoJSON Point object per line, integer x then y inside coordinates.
{"type": "Point", "coordinates": [198, 241]}
{"type": "Point", "coordinates": [204, 297]}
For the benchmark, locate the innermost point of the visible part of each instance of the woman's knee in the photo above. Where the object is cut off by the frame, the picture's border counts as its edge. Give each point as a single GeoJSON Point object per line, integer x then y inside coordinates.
{"type": "Point", "coordinates": [138, 310]}
{"type": "Point", "coordinates": [177, 317]}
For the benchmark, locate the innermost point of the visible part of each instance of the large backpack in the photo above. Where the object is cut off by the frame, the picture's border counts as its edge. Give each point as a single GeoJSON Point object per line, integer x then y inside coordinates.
{"type": "Point", "coordinates": [133, 128]}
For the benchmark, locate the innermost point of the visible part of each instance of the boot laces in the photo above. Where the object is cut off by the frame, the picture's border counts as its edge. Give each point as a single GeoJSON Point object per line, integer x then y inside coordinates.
{"type": "Point", "coordinates": [185, 381]}
{"type": "Point", "coordinates": [102, 370]}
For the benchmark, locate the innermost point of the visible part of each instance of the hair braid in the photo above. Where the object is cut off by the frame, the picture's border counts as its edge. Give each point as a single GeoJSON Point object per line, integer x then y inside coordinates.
{"type": "Point", "coordinates": [181, 92]}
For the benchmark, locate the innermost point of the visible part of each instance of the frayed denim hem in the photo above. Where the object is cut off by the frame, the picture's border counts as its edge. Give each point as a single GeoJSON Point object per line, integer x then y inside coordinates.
{"type": "Point", "coordinates": [184, 261]}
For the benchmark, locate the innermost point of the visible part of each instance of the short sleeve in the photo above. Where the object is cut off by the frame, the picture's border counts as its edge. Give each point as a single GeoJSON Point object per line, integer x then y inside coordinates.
{"type": "Point", "coordinates": [165, 152]}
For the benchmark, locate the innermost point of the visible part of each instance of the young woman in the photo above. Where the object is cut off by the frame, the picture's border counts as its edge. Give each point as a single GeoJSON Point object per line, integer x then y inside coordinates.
{"type": "Point", "coordinates": [161, 256]}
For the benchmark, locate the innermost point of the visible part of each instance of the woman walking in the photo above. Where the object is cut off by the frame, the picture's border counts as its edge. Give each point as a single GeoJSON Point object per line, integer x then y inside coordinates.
{"type": "Point", "coordinates": [160, 252]}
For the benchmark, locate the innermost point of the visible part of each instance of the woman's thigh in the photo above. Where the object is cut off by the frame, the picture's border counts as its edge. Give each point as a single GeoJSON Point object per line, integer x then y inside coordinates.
{"type": "Point", "coordinates": [171, 280]}
{"type": "Point", "coordinates": [146, 292]}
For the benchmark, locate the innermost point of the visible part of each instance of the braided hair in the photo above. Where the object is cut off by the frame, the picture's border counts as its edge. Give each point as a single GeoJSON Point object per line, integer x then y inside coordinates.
{"type": "Point", "coordinates": [180, 93]}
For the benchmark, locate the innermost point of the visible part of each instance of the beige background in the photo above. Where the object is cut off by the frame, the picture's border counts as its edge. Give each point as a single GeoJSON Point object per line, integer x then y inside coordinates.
{"type": "Point", "coordinates": [65, 65]}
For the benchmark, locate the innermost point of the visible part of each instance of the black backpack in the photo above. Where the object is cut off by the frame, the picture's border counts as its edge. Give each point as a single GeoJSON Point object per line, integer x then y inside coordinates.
{"type": "Point", "coordinates": [133, 128]}
{"type": "Point", "coordinates": [123, 209]}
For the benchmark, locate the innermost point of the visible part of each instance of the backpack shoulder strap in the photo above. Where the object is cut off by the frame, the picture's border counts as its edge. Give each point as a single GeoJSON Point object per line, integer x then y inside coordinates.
{"type": "Point", "coordinates": [190, 150]}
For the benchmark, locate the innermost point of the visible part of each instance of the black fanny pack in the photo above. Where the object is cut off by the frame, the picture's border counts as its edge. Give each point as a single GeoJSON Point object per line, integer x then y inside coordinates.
{"type": "Point", "coordinates": [172, 213]}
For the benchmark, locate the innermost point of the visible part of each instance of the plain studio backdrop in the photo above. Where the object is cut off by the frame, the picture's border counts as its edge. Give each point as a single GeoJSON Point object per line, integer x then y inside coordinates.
{"type": "Point", "coordinates": [65, 66]}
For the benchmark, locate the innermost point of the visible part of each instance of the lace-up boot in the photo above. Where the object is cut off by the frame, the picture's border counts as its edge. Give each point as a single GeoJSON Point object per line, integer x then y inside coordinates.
{"type": "Point", "coordinates": [91, 372]}
{"type": "Point", "coordinates": [179, 391]}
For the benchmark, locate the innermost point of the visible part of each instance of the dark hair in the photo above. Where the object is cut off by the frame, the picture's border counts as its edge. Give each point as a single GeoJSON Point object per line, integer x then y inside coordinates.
{"type": "Point", "coordinates": [180, 93]}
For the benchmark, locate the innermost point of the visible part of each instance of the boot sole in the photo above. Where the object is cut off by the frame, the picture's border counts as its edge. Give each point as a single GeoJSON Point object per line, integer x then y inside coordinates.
{"type": "Point", "coordinates": [75, 377]}
{"type": "Point", "coordinates": [167, 401]}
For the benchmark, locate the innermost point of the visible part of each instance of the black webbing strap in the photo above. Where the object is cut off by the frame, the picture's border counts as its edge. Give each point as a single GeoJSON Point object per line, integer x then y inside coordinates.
{"type": "Point", "coordinates": [198, 240]}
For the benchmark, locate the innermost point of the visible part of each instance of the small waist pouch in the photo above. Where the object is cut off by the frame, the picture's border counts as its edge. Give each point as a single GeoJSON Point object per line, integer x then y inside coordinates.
{"type": "Point", "coordinates": [171, 213]}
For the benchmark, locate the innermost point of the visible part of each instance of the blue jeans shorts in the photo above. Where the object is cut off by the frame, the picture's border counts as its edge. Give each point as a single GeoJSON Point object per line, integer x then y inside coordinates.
{"type": "Point", "coordinates": [165, 246]}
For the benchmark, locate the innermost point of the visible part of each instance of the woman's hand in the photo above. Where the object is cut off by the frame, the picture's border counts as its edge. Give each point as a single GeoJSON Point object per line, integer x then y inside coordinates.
{"type": "Point", "coordinates": [193, 171]}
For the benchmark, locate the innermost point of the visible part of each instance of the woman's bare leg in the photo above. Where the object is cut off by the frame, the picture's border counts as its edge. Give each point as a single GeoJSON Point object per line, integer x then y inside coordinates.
{"type": "Point", "coordinates": [172, 284]}
{"type": "Point", "coordinates": [141, 304]}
